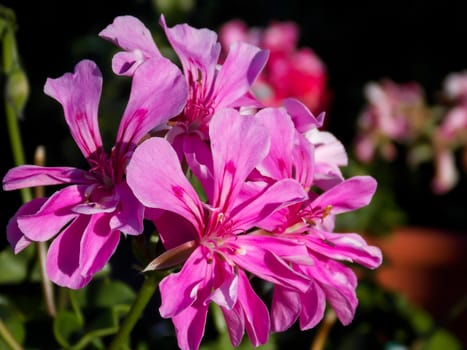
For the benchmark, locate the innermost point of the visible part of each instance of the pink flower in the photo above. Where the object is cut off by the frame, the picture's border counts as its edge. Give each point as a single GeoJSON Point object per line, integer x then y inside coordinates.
{"type": "Point", "coordinates": [87, 216]}
{"type": "Point", "coordinates": [225, 243]}
{"type": "Point", "coordinates": [311, 222]}
{"type": "Point", "coordinates": [290, 71]}
{"type": "Point", "coordinates": [395, 113]}
{"type": "Point", "coordinates": [211, 87]}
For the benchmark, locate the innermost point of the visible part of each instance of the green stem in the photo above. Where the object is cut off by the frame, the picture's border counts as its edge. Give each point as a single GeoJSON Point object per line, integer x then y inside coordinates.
{"type": "Point", "coordinates": [8, 338]}
{"type": "Point", "coordinates": [145, 293]}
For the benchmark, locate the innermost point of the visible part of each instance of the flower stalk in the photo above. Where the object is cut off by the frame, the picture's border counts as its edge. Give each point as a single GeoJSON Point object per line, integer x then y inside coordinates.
{"type": "Point", "coordinates": [146, 291]}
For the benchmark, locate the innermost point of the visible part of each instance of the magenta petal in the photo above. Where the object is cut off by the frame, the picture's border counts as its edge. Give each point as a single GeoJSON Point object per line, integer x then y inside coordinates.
{"type": "Point", "coordinates": [346, 247]}
{"type": "Point", "coordinates": [158, 92]}
{"type": "Point", "coordinates": [190, 325]}
{"type": "Point", "coordinates": [130, 34]}
{"type": "Point", "coordinates": [197, 49]}
{"type": "Point", "coordinates": [63, 265]}
{"type": "Point", "coordinates": [79, 93]}
{"type": "Point", "coordinates": [278, 164]}
{"type": "Point", "coordinates": [231, 134]}
{"type": "Point", "coordinates": [129, 216]}
{"type": "Point", "coordinates": [237, 74]}
{"type": "Point", "coordinates": [280, 194]}
{"type": "Point", "coordinates": [303, 118]}
{"type": "Point", "coordinates": [167, 223]}
{"type": "Point", "coordinates": [353, 193]}
{"type": "Point", "coordinates": [32, 175]}
{"type": "Point", "coordinates": [257, 321]}
{"type": "Point", "coordinates": [313, 307]}
{"type": "Point", "coordinates": [285, 309]}
{"type": "Point", "coordinates": [97, 245]}
{"type": "Point", "coordinates": [54, 214]}
{"type": "Point", "coordinates": [179, 290]}
{"type": "Point", "coordinates": [156, 178]}
{"type": "Point", "coordinates": [15, 237]}
{"type": "Point", "coordinates": [235, 321]}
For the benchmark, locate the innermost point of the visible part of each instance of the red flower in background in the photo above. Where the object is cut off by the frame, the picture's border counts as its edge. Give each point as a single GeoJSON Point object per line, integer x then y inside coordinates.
{"type": "Point", "coordinates": [290, 71]}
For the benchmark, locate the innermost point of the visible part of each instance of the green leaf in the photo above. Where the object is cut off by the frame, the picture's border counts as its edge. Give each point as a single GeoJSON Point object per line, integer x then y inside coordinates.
{"type": "Point", "coordinates": [67, 328]}
{"type": "Point", "coordinates": [111, 293]}
{"type": "Point", "coordinates": [13, 320]}
{"type": "Point", "coordinates": [442, 339]}
{"type": "Point", "coordinates": [14, 267]}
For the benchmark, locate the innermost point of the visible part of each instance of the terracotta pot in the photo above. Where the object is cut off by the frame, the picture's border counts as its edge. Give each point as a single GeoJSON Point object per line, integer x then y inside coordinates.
{"type": "Point", "coordinates": [429, 267]}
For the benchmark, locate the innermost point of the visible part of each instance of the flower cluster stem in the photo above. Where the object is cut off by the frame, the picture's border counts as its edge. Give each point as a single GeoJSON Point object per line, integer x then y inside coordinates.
{"type": "Point", "coordinates": [146, 291]}
{"type": "Point", "coordinates": [8, 337]}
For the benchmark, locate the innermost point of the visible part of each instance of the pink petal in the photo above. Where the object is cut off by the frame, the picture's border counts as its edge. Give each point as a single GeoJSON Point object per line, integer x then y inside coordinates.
{"type": "Point", "coordinates": [285, 309]}
{"type": "Point", "coordinates": [15, 237]}
{"type": "Point", "coordinates": [303, 118]}
{"type": "Point", "coordinates": [190, 325]}
{"type": "Point", "coordinates": [346, 247]}
{"type": "Point", "coordinates": [24, 176]}
{"type": "Point", "coordinates": [79, 93]}
{"type": "Point", "coordinates": [278, 164]}
{"type": "Point", "coordinates": [167, 223]}
{"type": "Point", "coordinates": [313, 307]}
{"type": "Point", "coordinates": [235, 321]}
{"type": "Point", "coordinates": [63, 264]}
{"type": "Point", "coordinates": [280, 194]}
{"type": "Point", "coordinates": [156, 178]}
{"type": "Point", "coordinates": [97, 245]}
{"type": "Point", "coordinates": [130, 34]}
{"type": "Point", "coordinates": [257, 321]}
{"type": "Point", "coordinates": [197, 49]}
{"type": "Point", "coordinates": [129, 216]}
{"type": "Point", "coordinates": [353, 193]}
{"type": "Point", "coordinates": [158, 93]}
{"type": "Point", "coordinates": [231, 134]}
{"type": "Point", "coordinates": [180, 290]}
{"type": "Point", "coordinates": [243, 64]}
{"type": "Point", "coordinates": [54, 214]}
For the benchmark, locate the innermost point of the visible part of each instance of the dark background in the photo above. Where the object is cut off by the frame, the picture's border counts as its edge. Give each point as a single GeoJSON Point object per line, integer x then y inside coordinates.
{"type": "Point", "coordinates": [358, 41]}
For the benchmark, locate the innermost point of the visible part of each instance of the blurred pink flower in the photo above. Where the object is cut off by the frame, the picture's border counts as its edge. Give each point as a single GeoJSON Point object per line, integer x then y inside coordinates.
{"type": "Point", "coordinates": [290, 71]}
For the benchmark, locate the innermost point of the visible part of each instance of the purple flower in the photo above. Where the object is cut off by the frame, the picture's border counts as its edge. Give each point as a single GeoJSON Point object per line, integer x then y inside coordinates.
{"type": "Point", "coordinates": [221, 236]}
{"type": "Point", "coordinates": [87, 216]}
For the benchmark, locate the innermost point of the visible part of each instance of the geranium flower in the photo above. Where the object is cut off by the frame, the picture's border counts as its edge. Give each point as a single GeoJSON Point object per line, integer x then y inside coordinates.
{"type": "Point", "coordinates": [311, 222]}
{"type": "Point", "coordinates": [220, 234]}
{"type": "Point", "coordinates": [211, 86]}
{"type": "Point", "coordinates": [87, 216]}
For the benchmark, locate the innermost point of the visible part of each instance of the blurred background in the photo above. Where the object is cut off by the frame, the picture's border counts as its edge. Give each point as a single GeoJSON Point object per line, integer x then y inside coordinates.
{"type": "Point", "coordinates": [358, 42]}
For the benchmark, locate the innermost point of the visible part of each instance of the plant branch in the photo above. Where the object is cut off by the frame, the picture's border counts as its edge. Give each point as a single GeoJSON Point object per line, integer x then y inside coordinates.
{"type": "Point", "coordinates": [8, 338]}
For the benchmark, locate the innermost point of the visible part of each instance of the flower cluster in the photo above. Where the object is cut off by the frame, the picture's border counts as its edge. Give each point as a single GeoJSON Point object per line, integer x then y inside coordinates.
{"type": "Point", "coordinates": [291, 71]}
{"type": "Point", "coordinates": [398, 116]}
{"type": "Point", "coordinates": [269, 187]}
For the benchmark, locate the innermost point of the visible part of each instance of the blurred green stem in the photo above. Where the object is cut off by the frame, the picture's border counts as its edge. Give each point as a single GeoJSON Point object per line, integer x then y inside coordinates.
{"type": "Point", "coordinates": [8, 337]}
{"type": "Point", "coordinates": [146, 291]}
{"type": "Point", "coordinates": [15, 100]}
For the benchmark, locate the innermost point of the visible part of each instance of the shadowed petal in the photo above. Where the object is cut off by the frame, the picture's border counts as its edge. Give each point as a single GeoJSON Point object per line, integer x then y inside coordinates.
{"type": "Point", "coordinates": [129, 217]}
{"type": "Point", "coordinates": [15, 237]}
{"type": "Point", "coordinates": [285, 309]}
{"type": "Point", "coordinates": [63, 266]}
{"type": "Point", "coordinates": [190, 325]}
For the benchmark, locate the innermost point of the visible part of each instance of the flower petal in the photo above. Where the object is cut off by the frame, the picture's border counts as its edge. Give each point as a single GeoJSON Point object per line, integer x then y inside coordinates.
{"type": "Point", "coordinates": [54, 214]}
{"type": "Point", "coordinates": [231, 134]}
{"type": "Point", "coordinates": [243, 64]}
{"type": "Point", "coordinates": [190, 325]}
{"type": "Point", "coordinates": [79, 93]}
{"type": "Point", "coordinates": [129, 216]}
{"type": "Point", "coordinates": [15, 237]}
{"type": "Point", "coordinates": [158, 93]}
{"type": "Point", "coordinates": [130, 34]}
{"type": "Point", "coordinates": [97, 245]}
{"type": "Point", "coordinates": [157, 180]}
{"type": "Point", "coordinates": [63, 264]}
{"type": "Point", "coordinates": [285, 308]}
{"type": "Point", "coordinates": [24, 176]}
